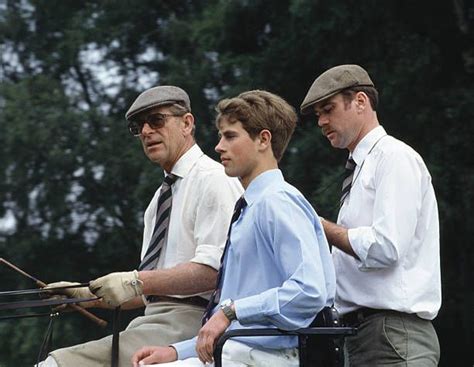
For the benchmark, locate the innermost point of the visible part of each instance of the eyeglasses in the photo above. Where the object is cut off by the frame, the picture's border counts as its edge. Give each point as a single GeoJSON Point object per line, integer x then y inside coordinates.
{"type": "Point", "coordinates": [155, 120]}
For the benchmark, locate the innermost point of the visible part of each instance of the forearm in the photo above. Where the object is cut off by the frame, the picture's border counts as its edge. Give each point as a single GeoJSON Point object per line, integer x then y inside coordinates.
{"type": "Point", "coordinates": [338, 237]}
{"type": "Point", "coordinates": [183, 279]}
{"type": "Point", "coordinates": [136, 302]}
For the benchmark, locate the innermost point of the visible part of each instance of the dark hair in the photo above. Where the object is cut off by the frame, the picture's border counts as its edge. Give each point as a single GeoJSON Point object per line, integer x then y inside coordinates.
{"type": "Point", "coordinates": [349, 93]}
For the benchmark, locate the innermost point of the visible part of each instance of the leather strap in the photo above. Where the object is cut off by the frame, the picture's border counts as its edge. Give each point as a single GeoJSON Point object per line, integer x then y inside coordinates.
{"type": "Point", "coordinates": [358, 316]}
{"type": "Point", "coordinates": [41, 290]}
{"type": "Point", "coordinates": [194, 301]}
{"type": "Point", "coordinates": [115, 337]}
{"type": "Point", "coordinates": [42, 303]}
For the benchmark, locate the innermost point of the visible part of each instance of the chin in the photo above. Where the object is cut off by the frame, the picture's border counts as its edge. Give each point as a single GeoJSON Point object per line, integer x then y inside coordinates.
{"type": "Point", "coordinates": [229, 172]}
{"type": "Point", "coordinates": [337, 145]}
{"type": "Point", "coordinates": [155, 159]}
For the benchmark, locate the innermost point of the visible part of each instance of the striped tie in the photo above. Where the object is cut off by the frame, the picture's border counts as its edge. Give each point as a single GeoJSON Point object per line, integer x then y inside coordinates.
{"type": "Point", "coordinates": [347, 183]}
{"type": "Point", "coordinates": [216, 295]}
{"type": "Point", "coordinates": [161, 225]}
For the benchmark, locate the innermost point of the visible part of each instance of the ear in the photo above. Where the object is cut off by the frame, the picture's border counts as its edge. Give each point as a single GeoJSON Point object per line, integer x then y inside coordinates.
{"type": "Point", "coordinates": [361, 101]}
{"type": "Point", "coordinates": [265, 139]}
{"type": "Point", "coordinates": [188, 123]}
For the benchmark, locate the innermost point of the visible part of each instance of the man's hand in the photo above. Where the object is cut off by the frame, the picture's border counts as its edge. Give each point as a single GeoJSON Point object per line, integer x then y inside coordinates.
{"type": "Point", "coordinates": [151, 355]}
{"type": "Point", "coordinates": [209, 334]}
{"type": "Point", "coordinates": [82, 292]}
{"type": "Point", "coordinates": [117, 288]}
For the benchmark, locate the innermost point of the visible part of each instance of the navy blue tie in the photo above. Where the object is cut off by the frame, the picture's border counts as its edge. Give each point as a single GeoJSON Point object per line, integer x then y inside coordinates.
{"type": "Point", "coordinates": [215, 297]}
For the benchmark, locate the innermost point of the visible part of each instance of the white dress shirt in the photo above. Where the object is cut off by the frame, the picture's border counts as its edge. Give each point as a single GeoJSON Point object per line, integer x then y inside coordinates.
{"type": "Point", "coordinates": [203, 202]}
{"type": "Point", "coordinates": [392, 217]}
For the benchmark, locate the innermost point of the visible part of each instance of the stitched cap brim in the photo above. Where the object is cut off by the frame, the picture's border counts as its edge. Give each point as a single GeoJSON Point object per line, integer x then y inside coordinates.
{"type": "Point", "coordinates": [158, 96]}
{"type": "Point", "coordinates": [308, 106]}
{"type": "Point", "coordinates": [332, 82]}
{"type": "Point", "coordinates": [129, 115]}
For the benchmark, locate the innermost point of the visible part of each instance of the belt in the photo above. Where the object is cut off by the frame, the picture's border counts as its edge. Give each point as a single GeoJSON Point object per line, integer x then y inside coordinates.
{"type": "Point", "coordinates": [193, 301]}
{"type": "Point", "coordinates": [360, 315]}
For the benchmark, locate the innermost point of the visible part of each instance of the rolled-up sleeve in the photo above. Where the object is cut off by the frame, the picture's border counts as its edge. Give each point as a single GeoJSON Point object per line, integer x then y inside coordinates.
{"type": "Point", "coordinates": [213, 218]}
{"type": "Point", "coordinates": [396, 206]}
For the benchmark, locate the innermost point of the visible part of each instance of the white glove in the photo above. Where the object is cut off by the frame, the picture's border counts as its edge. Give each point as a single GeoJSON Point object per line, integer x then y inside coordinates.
{"type": "Point", "coordinates": [117, 288]}
{"type": "Point", "coordinates": [82, 292]}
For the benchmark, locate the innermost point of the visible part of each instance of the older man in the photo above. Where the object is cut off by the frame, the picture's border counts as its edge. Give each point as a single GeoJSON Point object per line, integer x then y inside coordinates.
{"type": "Point", "coordinates": [277, 270]}
{"type": "Point", "coordinates": [185, 231]}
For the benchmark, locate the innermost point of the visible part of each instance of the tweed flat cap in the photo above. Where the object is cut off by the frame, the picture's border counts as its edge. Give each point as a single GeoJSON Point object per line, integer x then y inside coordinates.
{"type": "Point", "coordinates": [158, 96]}
{"type": "Point", "coordinates": [332, 81]}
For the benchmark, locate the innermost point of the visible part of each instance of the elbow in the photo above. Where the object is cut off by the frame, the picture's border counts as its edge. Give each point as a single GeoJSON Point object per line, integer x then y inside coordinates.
{"type": "Point", "coordinates": [316, 299]}
{"type": "Point", "coordinates": [319, 301]}
{"type": "Point", "coordinates": [383, 253]}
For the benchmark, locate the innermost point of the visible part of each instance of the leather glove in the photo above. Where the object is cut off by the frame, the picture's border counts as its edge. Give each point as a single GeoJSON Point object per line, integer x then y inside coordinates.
{"type": "Point", "coordinates": [82, 292]}
{"type": "Point", "coordinates": [117, 288]}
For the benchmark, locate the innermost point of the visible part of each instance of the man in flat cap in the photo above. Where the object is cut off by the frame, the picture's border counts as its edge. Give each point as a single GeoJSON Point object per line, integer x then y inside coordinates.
{"type": "Point", "coordinates": [386, 240]}
{"type": "Point", "coordinates": [185, 231]}
{"type": "Point", "coordinates": [275, 232]}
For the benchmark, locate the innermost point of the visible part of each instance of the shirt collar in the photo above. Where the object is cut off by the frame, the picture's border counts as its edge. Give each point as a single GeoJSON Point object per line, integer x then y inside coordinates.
{"type": "Point", "coordinates": [366, 144]}
{"type": "Point", "coordinates": [259, 183]}
{"type": "Point", "coordinates": [184, 164]}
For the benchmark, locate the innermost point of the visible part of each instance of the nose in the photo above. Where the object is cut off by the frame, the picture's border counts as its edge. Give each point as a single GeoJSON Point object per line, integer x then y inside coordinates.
{"type": "Point", "coordinates": [322, 120]}
{"type": "Point", "coordinates": [146, 129]}
{"type": "Point", "coordinates": [219, 148]}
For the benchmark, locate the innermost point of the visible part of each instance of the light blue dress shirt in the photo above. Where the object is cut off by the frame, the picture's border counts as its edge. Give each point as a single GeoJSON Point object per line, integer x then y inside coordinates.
{"type": "Point", "coordinates": [278, 268]}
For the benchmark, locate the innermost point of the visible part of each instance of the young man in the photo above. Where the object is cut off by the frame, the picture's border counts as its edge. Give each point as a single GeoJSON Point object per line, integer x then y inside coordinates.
{"type": "Point", "coordinates": [386, 240]}
{"type": "Point", "coordinates": [184, 234]}
{"type": "Point", "coordinates": [276, 269]}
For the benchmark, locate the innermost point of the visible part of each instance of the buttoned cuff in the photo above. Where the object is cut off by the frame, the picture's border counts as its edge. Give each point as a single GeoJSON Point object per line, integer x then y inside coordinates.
{"type": "Point", "coordinates": [254, 309]}
{"type": "Point", "coordinates": [186, 349]}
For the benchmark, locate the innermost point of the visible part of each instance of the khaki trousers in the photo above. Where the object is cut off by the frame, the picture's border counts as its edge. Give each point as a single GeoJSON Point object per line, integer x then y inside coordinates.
{"type": "Point", "coordinates": [163, 323]}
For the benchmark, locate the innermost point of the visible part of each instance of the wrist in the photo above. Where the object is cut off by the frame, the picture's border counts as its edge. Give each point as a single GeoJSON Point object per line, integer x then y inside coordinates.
{"type": "Point", "coordinates": [173, 354]}
{"type": "Point", "coordinates": [136, 283]}
{"type": "Point", "coordinates": [228, 308]}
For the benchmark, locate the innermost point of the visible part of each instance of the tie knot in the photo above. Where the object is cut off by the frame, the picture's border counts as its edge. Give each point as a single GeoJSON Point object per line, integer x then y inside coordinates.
{"type": "Point", "coordinates": [170, 179]}
{"type": "Point", "coordinates": [240, 204]}
{"type": "Point", "coordinates": [350, 164]}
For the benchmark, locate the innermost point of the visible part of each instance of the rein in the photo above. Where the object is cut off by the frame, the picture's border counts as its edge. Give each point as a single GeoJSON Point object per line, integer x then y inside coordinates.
{"type": "Point", "coordinates": [50, 302]}
{"type": "Point", "coordinates": [41, 291]}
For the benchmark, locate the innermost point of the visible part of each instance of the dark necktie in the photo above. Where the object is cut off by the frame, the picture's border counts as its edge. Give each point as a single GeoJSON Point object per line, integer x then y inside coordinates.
{"type": "Point", "coordinates": [347, 183]}
{"type": "Point", "coordinates": [239, 205]}
{"type": "Point", "coordinates": [161, 225]}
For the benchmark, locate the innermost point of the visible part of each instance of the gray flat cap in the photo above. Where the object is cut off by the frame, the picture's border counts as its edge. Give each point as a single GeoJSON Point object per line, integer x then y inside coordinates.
{"type": "Point", "coordinates": [158, 96]}
{"type": "Point", "coordinates": [332, 81]}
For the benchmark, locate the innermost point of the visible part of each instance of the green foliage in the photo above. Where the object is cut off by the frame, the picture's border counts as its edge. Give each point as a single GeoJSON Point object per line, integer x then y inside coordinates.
{"type": "Point", "coordinates": [76, 183]}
